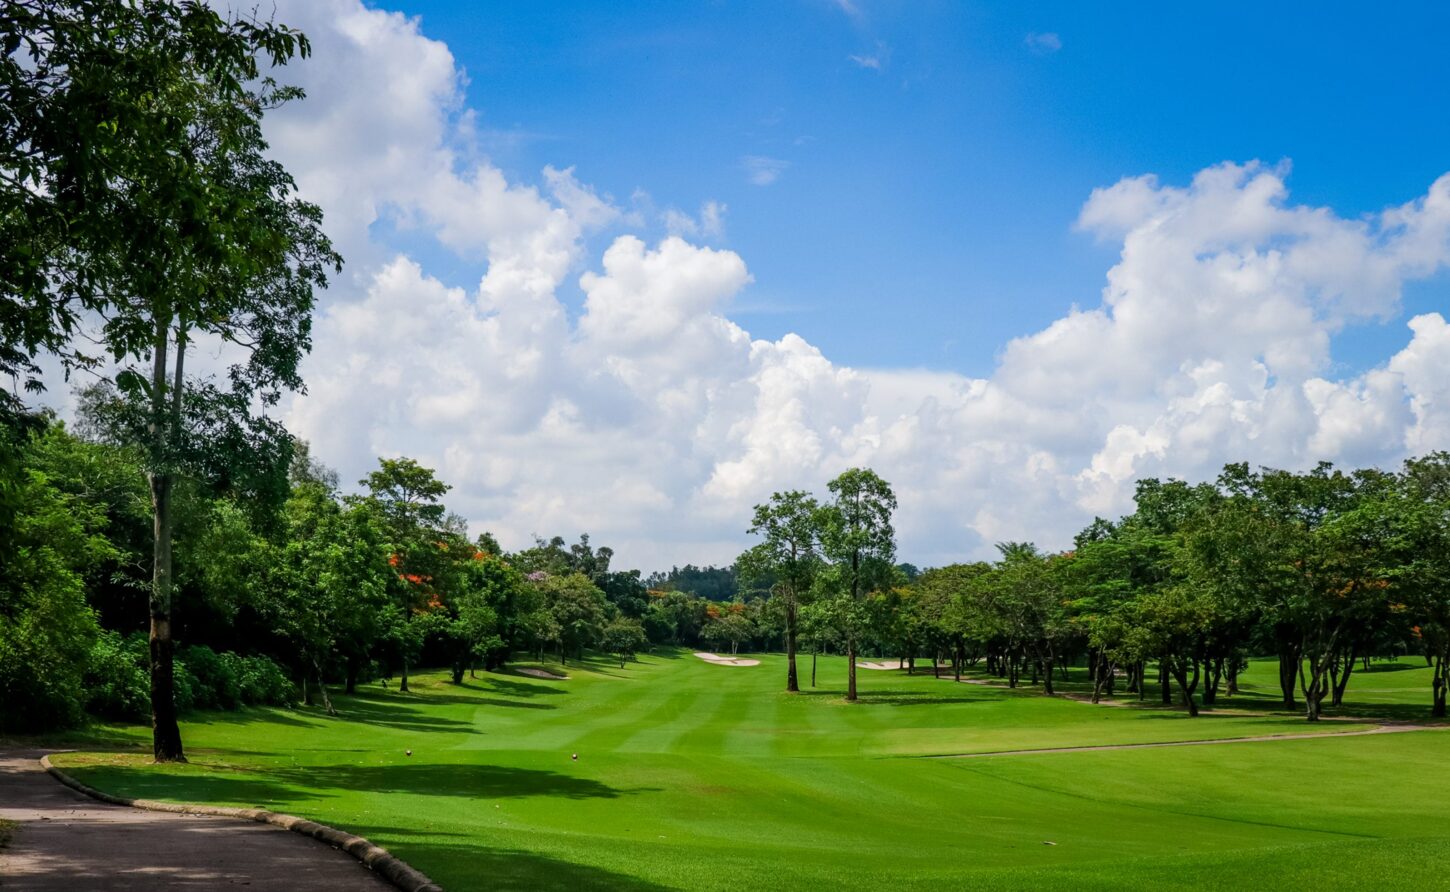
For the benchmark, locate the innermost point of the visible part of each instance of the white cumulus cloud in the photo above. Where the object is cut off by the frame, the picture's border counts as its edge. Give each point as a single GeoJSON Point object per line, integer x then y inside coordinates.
{"type": "Point", "coordinates": [653, 421]}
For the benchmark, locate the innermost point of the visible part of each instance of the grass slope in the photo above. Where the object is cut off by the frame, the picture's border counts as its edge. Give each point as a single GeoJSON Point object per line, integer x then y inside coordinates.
{"type": "Point", "coordinates": [708, 777]}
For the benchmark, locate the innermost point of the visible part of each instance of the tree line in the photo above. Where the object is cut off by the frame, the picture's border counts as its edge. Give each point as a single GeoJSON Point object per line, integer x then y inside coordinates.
{"type": "Point", "coordinates": [276, 599]}
{"type": "Point", "coordinates": [1323, 569]}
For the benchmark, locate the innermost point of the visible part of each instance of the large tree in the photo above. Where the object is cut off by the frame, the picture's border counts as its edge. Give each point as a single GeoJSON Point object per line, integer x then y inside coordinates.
{"type": "Point", "coordinates": [409, 498]}
{"type": "Point", "coordinates": [857, 537]}
{"type": "Point", "coordinates": [202, 240]}
{"type": "Point", "coordinates": [788, 557]}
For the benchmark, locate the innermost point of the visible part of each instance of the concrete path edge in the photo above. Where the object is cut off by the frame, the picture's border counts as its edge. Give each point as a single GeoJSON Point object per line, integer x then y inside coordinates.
{"type": "Point", "coordinates": [382, 862]}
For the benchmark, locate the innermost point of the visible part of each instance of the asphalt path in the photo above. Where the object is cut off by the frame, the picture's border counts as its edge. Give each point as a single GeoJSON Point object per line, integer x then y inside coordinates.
{"type": "Point", "coordinates": [66, 841]}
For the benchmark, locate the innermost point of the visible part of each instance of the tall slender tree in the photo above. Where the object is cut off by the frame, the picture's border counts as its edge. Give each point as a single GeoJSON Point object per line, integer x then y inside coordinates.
{"type": "Point", "coordinates": [203, 241]}
{"type": "Point", "coordinates": [857, 537]}
{"type": "Point", "coordinates": [788, 559]}
{"type": "Point", "coordinates": [408, 496]}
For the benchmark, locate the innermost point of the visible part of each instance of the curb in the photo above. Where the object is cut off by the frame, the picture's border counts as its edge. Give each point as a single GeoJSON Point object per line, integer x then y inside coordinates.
{"type": "Point", "coordinates": [375, 858]}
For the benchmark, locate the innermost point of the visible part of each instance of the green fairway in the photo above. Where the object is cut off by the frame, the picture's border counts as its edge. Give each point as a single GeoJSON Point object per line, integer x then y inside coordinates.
{"type": "Point", "coordinates": [709, 777]}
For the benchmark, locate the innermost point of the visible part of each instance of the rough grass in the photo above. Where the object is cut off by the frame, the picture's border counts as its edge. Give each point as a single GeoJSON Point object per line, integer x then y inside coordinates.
{"type": "Point", "coordinates": [697, 776]}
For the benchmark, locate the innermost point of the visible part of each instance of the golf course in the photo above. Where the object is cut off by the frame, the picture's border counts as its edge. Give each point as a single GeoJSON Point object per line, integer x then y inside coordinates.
{"type": "Point", "coordinates": [696, 775]}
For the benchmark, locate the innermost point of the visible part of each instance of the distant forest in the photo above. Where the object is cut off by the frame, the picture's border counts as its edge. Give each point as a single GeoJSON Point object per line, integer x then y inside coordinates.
{"type": "Point", "coordinates": [711, 583]}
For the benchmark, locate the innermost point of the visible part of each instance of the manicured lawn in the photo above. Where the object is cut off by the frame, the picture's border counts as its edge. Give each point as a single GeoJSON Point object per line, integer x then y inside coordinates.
{"type": "Point", "coordinates": [708, 777]}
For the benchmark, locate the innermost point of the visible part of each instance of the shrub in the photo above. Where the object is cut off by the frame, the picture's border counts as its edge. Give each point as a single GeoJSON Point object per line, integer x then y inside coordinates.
{"type": "Point", "coordinates": [118, 684]}
{"type": "Point", "coordinates": [116, 680]}
{"type": "Point", "coordinates": [263, 683]}
{"type": "Point", "coordinates": [216, 677]}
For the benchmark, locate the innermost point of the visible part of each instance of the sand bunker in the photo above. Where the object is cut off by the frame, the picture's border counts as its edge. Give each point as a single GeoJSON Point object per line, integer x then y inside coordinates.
{"type": "Point", "coordinates": [718, 660]}
{"type": "Point", "coordinates": [867, 664]}
{"type": "Point", "coordinates": [543, 673]}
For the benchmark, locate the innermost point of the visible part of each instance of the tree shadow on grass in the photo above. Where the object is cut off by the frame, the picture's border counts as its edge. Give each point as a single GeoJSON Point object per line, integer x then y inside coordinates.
{"type": "Point", "coordinates": [243, 716]}
{"type": "Point", "coordinates": [243, 788]}
{"type": "Point", "coordinates": [456, 864]}
{"type": "Point", "coordinates": [1396, 666]}
{"type": "Point", "coordinates": [513, 686]}
{"type": "Point", "coordinates": [265, 787]}
{"type": "Point", "coordinates": [668, 652]}
{"type": "Point", "coordinates": [394, 714]}
{"type": "Point", "coordinates": [469, 781]}
{"type": "Point", "coordinates": [910, 700]}
{"type": "Point", "coordinates": [894, 697]}
{"type": "Point", "coordinates": [480, 700]}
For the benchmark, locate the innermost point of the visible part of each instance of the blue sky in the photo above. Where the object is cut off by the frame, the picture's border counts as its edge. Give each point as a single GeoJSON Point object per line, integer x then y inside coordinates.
{"type": "Point", "coordinates": [923, 213]}
{"type": "Point", "coordinates": [924, 205]}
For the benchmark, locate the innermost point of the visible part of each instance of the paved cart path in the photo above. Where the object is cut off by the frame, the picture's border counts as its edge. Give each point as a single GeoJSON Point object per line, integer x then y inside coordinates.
{"type": "Point", "coordinates": [66, 841]}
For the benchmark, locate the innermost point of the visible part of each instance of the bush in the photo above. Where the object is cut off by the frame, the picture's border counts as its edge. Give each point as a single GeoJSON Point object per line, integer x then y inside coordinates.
{"type": "Point", "coordinates": [263, 683]}
{"type": "Point", "coordinates": [216, 677]}
{"type": "Point", "coordinates": [46, 629]}
{"type": "Point", "coordinates": [117, 682]}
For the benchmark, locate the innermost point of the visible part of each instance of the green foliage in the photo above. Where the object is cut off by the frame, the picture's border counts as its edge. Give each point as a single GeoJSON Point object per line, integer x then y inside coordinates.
{"type": "Point", "coordinates": [709, 582]}
{"type": "Point", "coordinates": [623, 636]}
{"type": "Point", "coordinates": [117, 683]}
{"type": "Point", "coordinates": [577, 608]}
{"type": "Point", "coordinates": [116, 680]}
{"type": "Point", "coordinates": [53, 541]}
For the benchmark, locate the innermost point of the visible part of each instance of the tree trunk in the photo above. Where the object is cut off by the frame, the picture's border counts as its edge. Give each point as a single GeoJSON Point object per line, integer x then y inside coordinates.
{"type": "Point", "coordinates": [322, 687]}
{"type": "Point", "coordinates": [1233, 676]}
{"type": "Point", "coordinates": [792, 682]}
{"type": "Point", "coordinates": [1212, 669]}
{"type": "Point", "coordinates": [814, 651]}
{"type": "Point", "coordinates": [1290, 656]}
{"type": "Point", "coordinates": [1165, 682]}
{"type": "Point", "coordinates": [1342, 681]}
{"type": "Point", "coordinates": [851, 671]}
{"type": "Point", "coordinates": [1047, 675]}
{"type": "Point", "coordinates": [165, 421]}
{"type": "Point", "coordinates": [1314, 686]}
{"type": "Point", "coordinates": [350, 682]}
{"type": "Point", "coordinates": [1187, 683]}
{"type": "Point", "coordinates": [403, 686]}
{"type": "Point", "coordinates": [1437, 710]}
{"type": "Point", "coordinates": [165, 733]}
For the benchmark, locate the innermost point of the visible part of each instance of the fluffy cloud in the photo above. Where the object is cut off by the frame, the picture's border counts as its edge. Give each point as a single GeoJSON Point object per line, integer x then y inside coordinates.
{"type": "Point", "coordinates": [653, 421]}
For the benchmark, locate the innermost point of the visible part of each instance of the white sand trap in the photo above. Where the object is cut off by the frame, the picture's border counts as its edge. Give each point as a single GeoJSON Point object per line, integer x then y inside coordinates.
{"type": "Point", "coordinates": [718, 660]}
{"type": "Point", "coordinates": [867, 664]}
{"type": "Point", "coordinates": [543, 673]}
